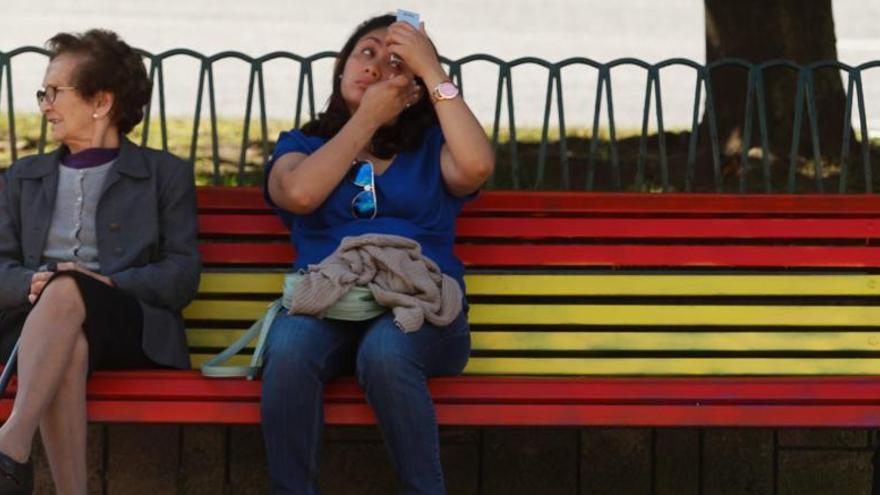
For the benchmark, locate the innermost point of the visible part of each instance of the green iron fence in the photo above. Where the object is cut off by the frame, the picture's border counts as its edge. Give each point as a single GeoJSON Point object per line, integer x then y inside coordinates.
{"type": "Point", "coordinates": [528, 165]}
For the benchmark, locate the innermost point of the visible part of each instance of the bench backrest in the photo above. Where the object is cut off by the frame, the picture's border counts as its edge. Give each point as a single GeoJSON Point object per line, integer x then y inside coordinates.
{"type": "Point", "coordinates": [621, 284]}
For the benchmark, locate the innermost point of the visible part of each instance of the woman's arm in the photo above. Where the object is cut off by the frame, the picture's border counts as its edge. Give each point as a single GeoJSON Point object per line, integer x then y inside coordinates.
{"type": "Point", "coordinates": [466, 160]}
{"type": "Point", "coordinates": [15, 279]}
{"type": "Point", "coordinates": [300, 183]}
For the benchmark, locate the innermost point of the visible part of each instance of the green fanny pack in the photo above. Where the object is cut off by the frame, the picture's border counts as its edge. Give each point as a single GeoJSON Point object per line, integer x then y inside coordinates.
{"type": "Point", "coordinates": [357, 304]}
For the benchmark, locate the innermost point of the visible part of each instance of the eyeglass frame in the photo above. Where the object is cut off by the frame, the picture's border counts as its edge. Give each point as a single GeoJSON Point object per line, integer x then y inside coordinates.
{"type": "Point", "coordinates": [43, 94]}
{"type": "Point", "coordinates": [370, 188]}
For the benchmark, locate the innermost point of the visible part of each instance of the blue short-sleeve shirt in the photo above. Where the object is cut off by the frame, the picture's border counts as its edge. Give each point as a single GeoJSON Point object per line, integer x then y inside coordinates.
{"type": "Point", "coordinates": [412, 198]}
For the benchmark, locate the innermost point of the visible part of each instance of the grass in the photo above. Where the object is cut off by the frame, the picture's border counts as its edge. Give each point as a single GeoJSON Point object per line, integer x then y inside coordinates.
{"type": "Point", "coordinates": [178, 139]}
{"type": "Point", "coordinates": [632, 177]}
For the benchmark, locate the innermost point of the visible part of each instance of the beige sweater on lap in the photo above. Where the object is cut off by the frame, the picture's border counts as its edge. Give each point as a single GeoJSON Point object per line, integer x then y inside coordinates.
{"type": "Point", "coordinates": [398, 275]}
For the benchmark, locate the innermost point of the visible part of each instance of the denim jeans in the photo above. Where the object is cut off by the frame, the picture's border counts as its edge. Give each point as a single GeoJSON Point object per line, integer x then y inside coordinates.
{"type": "Point", "coordinates": [303, 353]}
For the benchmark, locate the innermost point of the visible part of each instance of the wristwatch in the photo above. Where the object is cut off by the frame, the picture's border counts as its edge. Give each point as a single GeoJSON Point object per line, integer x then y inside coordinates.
{"type": "Point", "coordinates": [444, 91]}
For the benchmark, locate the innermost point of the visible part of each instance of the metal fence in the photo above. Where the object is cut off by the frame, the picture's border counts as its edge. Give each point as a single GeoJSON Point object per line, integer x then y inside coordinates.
{"type": "Point", "coordinates": [529, 165]}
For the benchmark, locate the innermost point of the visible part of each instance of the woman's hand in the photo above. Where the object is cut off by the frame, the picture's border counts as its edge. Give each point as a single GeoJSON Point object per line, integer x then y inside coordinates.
{"type": "Point", "coordinates": [38, 283]}
{"type": "Point", "coordinates": [415, 48]}
{"type": "Point", "coordinates": [383, 101]}
{"type": "Point", "coordinates": [40, 279]}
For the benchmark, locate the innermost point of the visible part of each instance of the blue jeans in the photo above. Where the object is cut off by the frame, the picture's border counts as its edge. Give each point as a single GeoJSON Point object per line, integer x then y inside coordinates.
{"type": "Point", "coordinates": [303, 353]}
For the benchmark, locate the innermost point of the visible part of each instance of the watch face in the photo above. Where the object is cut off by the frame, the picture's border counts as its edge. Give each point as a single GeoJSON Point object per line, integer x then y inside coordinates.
{"type": "Point", "coordinates": [447, 90]}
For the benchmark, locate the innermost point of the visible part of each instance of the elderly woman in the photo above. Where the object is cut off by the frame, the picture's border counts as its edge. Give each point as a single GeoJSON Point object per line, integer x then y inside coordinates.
{"type": "Point", "coordinates": [98, 254]}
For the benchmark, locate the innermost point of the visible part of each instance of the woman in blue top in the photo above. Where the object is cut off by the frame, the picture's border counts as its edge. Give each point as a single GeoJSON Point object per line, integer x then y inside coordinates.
{"type": "Point", "coordinates": [396, 152]}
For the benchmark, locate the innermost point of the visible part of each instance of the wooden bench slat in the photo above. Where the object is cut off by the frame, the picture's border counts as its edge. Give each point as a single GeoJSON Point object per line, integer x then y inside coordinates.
{"type": "Point", "coordinates": [540, 202]}
{"type": "Point", "coordinates": [676, 341]}
{"type": "Point", "coordinates": [673, 285]}
{"type": "Point", "coordinates": [606, 314]}
{"type": "Point", "coordinates": [482, 284]}
{"type": "Point", "coordinates": [241, 283]}
{"type": "Point", "coordinates": [264, 224]}
{"type": "Point", "coordinates": [576, 255]}
{"type": "Point", "coordinates": [663, 315]}
{"type": "Point", "coordinates": [624, 341]}
{"type": "Point", "coordinates": [617, 228]}
{"type": "Point", "coordinates": [135, 384]}
{"type": "Point", "coordinates": [673, 366]}
{"type": "Point", "coordinates": [668, 256]}
{"type": "Point", "coordinates": [638, 415]}
{"type": "Point", "coordinates": [663, 228]}
{"type": "Point", "coordinates": [650, 366]}
{"type": "Point", "coordinates": [211, 198]}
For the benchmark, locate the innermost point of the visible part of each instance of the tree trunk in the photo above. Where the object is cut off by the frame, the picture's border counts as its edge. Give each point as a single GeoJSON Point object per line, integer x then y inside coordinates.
{"type": "Point", "coordinates": [762, 30]}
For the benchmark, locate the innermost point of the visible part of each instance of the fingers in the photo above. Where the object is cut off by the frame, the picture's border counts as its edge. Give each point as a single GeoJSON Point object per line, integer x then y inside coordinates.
{"type": "Point", "coordinates": [414, 47]}
{"type": "Point", "coordinates": [44, 276]}
{"type": "Point", "coordinates": [385, 100]}
{"type": "Point", "coordinates": [405, 28]}
{"type": "Point", "coordinates": [402, 28]}
{"type": "Point", "coordinates": [401, 35]}
{"type": "Point", "coordinates": [409, 90]}
{"type": "Point", "coordinates": [37, 287]}
{"type": "Point", "coordinates": [38, 283]}
{"type": "Point", "coordinates": [400, 81]}
{"type": "Point", "coordinates": [40, 279]}
{"type": "Point", "coordinates": [36, 290]}
{"type": "Point", "coordinates": [414, 94]}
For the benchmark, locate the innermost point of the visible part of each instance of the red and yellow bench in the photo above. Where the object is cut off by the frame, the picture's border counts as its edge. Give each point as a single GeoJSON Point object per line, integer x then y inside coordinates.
{"type": "Point", "coordinates": [586, 309]}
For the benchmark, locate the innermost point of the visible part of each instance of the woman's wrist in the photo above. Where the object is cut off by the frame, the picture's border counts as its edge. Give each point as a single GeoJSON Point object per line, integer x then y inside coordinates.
{"type": "Point", "coordinates": [434, 77]}
{"type": "Point", "coordinates": [365, 121]}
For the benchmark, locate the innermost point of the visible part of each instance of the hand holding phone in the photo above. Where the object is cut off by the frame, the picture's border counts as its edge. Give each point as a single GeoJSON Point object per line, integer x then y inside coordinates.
{"type": "Point", "coordinates": [412, 18]}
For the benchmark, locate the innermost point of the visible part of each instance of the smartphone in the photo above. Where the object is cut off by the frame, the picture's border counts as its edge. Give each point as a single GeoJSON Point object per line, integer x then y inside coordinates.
{"type": "Point", "coordinates": [409, 17]}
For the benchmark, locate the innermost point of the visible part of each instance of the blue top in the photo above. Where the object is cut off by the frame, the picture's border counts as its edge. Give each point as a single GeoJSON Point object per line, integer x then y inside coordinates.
{"type": "Point", "coordinates": [412, 200]}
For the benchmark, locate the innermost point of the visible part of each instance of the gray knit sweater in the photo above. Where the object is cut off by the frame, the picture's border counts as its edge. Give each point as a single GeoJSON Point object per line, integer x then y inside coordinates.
{"type": "Point", "coordinates": [72, 235]}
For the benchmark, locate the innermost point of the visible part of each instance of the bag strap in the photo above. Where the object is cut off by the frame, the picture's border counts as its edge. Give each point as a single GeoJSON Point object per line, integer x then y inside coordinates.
{"type": "Point", "coordinates": [214, 367]}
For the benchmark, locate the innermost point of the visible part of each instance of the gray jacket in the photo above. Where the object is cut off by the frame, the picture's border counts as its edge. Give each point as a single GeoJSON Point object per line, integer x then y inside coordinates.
{"type": "Point", "coordinates": [147, 230]}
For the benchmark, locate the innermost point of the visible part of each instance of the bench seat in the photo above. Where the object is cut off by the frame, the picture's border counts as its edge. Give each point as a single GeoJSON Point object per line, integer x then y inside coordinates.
{"type": "Point", "coordinates": [186, 397]}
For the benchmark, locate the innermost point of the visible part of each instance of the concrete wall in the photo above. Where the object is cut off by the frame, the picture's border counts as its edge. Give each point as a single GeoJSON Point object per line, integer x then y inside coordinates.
{"type": "Point", "coordinates": [171, 459]}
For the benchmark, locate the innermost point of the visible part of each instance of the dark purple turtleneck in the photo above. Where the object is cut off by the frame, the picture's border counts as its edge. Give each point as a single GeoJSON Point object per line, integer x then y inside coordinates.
{"type": "Point", "coordinates": [89, 158]}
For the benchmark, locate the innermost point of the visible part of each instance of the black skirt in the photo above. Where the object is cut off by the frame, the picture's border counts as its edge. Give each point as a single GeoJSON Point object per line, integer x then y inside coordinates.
{"type": "Point", "coordinates": [113, 325]}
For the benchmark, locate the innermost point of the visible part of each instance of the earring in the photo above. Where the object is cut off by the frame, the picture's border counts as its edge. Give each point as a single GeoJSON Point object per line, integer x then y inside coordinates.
{"type": "Point", "coordinates": [94, 116]}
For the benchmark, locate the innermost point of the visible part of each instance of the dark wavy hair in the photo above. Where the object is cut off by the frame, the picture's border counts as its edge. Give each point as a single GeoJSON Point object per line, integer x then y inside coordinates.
{"type": "Point", "coordinates": [108, 64]}
{"type": "Point", "coordinates": [407, 131]}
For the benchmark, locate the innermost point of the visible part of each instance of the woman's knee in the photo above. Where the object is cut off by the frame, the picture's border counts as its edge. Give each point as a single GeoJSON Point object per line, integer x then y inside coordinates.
{"type": "Point", "coordinates": [384, 356]}
{"type": "Point", "coordinates": [295, 344]}
{"type": "Point", "coordinates": [61, 295]}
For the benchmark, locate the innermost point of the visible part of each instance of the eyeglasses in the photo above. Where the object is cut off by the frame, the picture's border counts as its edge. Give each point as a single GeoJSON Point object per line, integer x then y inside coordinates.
{"type": "Point", "coordinates": [50, 93]}
{"type": "Point", "coordinates": [365, 203]}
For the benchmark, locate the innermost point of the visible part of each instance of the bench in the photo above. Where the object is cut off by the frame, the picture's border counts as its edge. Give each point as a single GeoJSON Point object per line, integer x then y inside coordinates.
{"type": "Point", "coordinates": [586, 309]}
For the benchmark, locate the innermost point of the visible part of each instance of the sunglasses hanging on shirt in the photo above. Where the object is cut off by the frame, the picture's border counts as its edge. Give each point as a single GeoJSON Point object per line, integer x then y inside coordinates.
{"type": "Point", "coordinates": [365, 203]}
